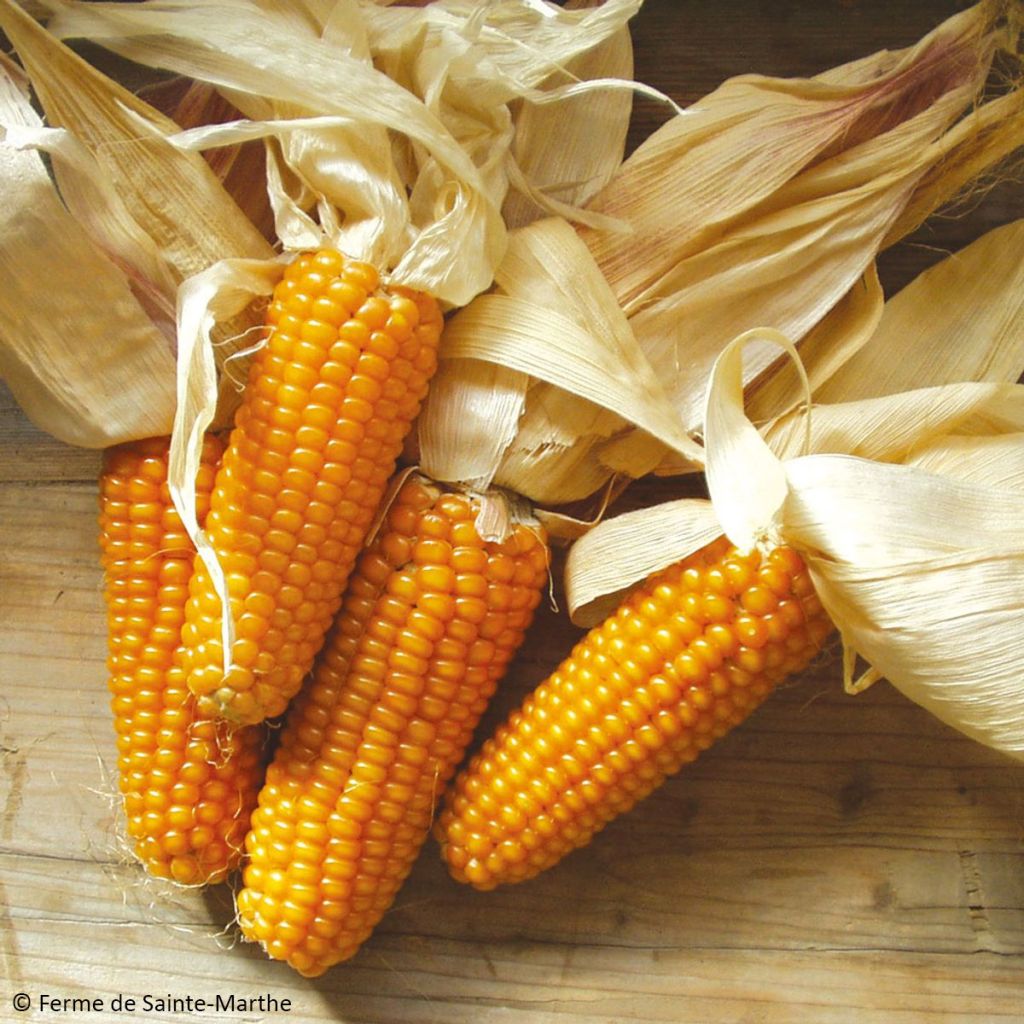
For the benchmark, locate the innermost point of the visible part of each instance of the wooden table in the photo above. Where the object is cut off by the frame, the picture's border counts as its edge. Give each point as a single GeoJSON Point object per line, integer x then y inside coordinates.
{"type": "Point", "coordinates": [836, 859]}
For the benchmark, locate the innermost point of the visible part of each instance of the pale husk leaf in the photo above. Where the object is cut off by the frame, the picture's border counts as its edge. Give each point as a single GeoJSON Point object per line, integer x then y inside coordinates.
{"type": "Point", "coordinates": [986, 137]}
{"type": "Point", "coordinates": [77, 349]}
{"type": "Point", "coordinates": [552, 457]}
{"type": "Point", "coordinates": [274, 64]}
{"type": "Point", "coordinates": [789, 265]}
{"type": "Point", "coordinates": [475, 407]}
{"type": "Point", "coordinates": [486, 69]}
{"type": "Point", "coordinates": [570, 151]}
{"type": "Point", "coordinates": [92, 198]}
{"type": "Point", "coordinates": [962, 319]}
{"type": "Point", "coordinates": [995, 461]}
{"type": "Point", "coordinates": [747, 504]}
{"type": "Point", "coordinates": [557, 320]}
{"type": "Point", "coordinates": [217, 294]}
{"type": "Point", "coordinates": [505, 330]}
{"type": "Point", "coordinates": [174, 195]}
{"type": "Point", "coordinates": [160, 214]}
{"type": "Point", "coordinates": [847, 328]}
{"type": "Point", "coordinates": [604, 564]}
{"type": "Point", "coordinates": [314, 155]}
{"type": "Point", "coordinates": [889, 427]}
{"type": "Point", "coordinates": [506, 45]}
{"type": "Point", "coordinates": [924, 577]}
{"type": "Point", "coordinates": [779, 126]}
{"type": "Point", "coordinates": [921, 571]}
{"type": "Point", "coordinates": [839, 157]}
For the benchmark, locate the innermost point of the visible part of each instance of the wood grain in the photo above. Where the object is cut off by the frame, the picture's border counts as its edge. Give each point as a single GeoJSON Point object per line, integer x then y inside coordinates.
{"type": "Point", "coordinates": [29, 454]}
{"type": "Point", "coordinates": [836, 860]}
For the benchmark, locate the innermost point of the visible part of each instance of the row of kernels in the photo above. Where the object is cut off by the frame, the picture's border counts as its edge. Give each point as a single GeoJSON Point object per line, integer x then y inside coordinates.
{"type": "Point", "coordinates": [573, 746]}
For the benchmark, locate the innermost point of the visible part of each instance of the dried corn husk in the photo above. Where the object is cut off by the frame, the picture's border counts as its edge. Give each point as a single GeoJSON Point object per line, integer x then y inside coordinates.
{"type": "Point", "coordinates": [987, 280]}
{"type": "Point", "coordinates": [841, 159]}
{"type": "Point", "coordinates": [87, 336]}
{"type": "Point", "coordinates": [908, 512]}
{"type": "Point", "coordinates": [346, 142]}
{"type": "Point", "coordinates": [563, 154]}
{"type": "Point", "coordinates": [49, 369]}
{"type": "Point", "coordinates": [462, 65]}
{"type": "Point", "coordinates": [922, 573]}
{"type": "Point", "coordinates": [557, 319]}
{"type": "Point", "coordinates": [447, 238]}
{"type": "Point", "coordinates": [973, 303]}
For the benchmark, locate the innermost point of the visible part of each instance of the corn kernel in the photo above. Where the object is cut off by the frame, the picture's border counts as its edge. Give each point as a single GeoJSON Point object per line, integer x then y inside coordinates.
{"type": "Point", "coordinates": [302, 456]}
{"type": "Point", "coordinates": [686, 658]}
{"type": "Point", "coordinates": [188, 783]}
{"type": "Point", "coordinates": [393, 684]}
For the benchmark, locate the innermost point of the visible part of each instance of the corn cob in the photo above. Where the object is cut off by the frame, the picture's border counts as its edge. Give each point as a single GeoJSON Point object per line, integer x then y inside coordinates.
{"type": "Point", "coordinates": [329, 401]}
{"type": "Point", "coordinates": [688, 656]}
{"type": "Point", "coordinates": [188, 783]}
{"type": "Point", "coordinates": [430, 621]}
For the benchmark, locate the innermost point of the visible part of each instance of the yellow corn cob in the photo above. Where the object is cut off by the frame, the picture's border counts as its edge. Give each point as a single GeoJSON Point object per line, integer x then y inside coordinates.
{"type": "Point", "coordinates": [329, 401]}
{"type": "Point", "coordinates": [687, 656]}
{"type": "Point", "coordinates": [188, 783]}
{"type": "Point", "coordinates": [430, 621]}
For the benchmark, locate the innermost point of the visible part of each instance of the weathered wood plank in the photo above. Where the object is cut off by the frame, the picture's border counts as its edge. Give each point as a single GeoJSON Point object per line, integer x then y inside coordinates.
{"type": "Point", "coordinates": [27, 453]}
{"type": "Point", "coordinates": [150, 946]}
{"type": "Point", "coordinates": [834, 855]}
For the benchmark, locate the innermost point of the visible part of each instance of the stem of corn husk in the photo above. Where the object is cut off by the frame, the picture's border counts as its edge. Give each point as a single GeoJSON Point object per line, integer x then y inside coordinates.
{"type": "Point", "coordinates": [840, 159]}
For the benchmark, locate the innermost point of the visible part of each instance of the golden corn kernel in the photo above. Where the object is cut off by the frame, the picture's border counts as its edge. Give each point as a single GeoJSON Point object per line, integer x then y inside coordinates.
{"type": "Point", "coordinates": [188, 783]}
{"type": "Point", "coordinates": [619, 715]}
{"type": "Point", "coordinates": [314, 443]}
{"type": "Point", "coordinates": [379, 729]}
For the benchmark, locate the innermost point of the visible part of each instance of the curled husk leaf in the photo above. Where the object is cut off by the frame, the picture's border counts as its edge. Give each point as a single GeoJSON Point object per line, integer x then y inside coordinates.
{"type": "Point", "coordinates": [919, 561]}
